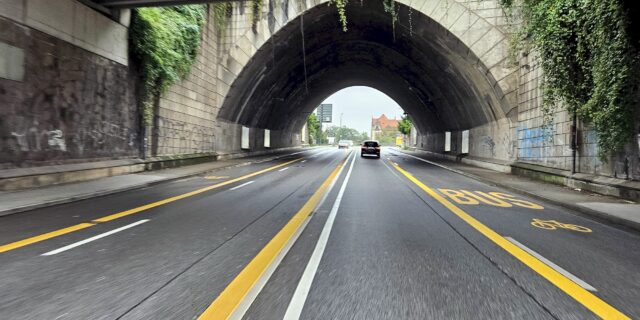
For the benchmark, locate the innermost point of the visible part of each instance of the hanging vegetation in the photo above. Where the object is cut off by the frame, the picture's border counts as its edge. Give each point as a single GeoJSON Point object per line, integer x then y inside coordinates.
{"type": "Point", "coordinates": [589, 62]}
{"type": "Point", "coordinates": [164, 42]}
{"type": "Point", "coordinates": [221, 14]}
{"type": "Point", "coordinates": [341, 5]}
{"type": "Point", "coordinates": [391, 8]}
{"type": "Point", "coordinates": [256, 12]}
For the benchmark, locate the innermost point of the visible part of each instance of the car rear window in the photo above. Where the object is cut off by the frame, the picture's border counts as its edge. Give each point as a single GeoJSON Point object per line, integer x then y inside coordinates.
{"type": "Point", "coordinates": [370, 144]}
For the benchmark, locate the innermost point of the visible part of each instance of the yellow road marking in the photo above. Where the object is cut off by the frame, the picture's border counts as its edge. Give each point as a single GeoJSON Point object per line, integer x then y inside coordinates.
{"type": "Point", "coordinates": [553, 225]}
{"type": "Point", "coordinates": [216, 177]}
{"type": "Point", "coordinates": [231, 297]}
{"type": "Point", "coordinates": [586, 298]}
{"type": "Point", "coordinates": [46, 236]}
{"type": "Point", "coordinates": [42, 237]}
{"type": "Point", "coordinates": [190, 194]}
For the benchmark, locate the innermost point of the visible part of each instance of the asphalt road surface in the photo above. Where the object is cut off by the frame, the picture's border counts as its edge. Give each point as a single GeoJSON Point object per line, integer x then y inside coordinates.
{"type": "Point", "coordinates": [322, 234]}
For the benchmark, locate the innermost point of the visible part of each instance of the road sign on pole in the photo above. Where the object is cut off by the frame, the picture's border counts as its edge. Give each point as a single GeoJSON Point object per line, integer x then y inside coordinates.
{"type": "Point", "coordinates": [325, 113]}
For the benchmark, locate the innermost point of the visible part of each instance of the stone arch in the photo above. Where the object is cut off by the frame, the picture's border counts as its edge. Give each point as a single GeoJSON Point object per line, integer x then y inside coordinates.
{"type": "Point", "coordinates": [449, 70]}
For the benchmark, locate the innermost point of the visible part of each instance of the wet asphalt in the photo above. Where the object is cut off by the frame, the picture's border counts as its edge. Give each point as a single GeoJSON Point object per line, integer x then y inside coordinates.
{"type": "Point", "coordinates": [394, 252]}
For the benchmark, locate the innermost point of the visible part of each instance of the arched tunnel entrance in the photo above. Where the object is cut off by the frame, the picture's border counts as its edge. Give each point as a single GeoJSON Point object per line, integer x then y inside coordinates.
{"type": "Point", "coordinates": [420, 64]}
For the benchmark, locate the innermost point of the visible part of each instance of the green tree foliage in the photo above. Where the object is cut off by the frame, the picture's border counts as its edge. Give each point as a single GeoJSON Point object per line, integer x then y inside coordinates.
{"type": "Point", "coordinates": [344, 133]}
{"type": "Point", "coordinates": [589, 62]}
{"type": "Point", "coordinates": [315, 129]}
{"type": "Point", "coordinates": [404, 125]}
{"type": "Point", "coordinates": [164, 42]}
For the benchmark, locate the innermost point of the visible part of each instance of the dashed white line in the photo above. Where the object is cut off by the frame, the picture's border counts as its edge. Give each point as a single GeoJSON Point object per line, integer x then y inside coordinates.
{"type": "Point", "coordinates": [242, 185]}
{"type": "Point", "coordinates": [100, 236]}
{"type": "Point", "coordinates": [283, 169]}
{"type": "Point", "coordinates": [302, 290]}
{"type": "Point", "coordinates": [560, 270]}
{"type": "Point", "coordinates": [303, 161]}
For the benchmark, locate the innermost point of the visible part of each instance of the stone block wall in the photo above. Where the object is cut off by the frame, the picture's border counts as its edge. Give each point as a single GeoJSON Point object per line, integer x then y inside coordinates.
{"type": "Point", "coordinates": [67, 104]}
{"type": "Point", "coordinates": [186, 116]}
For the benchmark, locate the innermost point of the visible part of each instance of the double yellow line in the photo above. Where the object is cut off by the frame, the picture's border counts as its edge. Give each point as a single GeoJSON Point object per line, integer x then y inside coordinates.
{"type": "Point", "coordinates": [584, 297]}
{"type": "Point", "coordinates": [57, 233]}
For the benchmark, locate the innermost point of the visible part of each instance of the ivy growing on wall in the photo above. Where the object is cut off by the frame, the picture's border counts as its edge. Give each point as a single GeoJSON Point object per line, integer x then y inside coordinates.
{"type": "Point", "coordinates": [341, 5]}
{"type": "Point", "coordinates": [589, 62]}
{"type": "Point", "coordinates": [164, 42]}
{"type": "Point", "coordinates": [221, 14]}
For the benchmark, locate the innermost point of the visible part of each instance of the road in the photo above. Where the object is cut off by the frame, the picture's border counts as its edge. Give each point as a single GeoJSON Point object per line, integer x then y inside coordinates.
{"type": "Point", "coordinates": [322, 234]}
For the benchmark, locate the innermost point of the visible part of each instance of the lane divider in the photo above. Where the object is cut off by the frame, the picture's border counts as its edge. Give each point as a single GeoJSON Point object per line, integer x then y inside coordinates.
{"type": "Point", "coordinates": [558, 268]}
{"type": "Point", "coordinates": [234, 300]}
{"type": "Point", "coordinates": [94, 238]}
{"type": "Point", "coordinates": [584, 297]}
{"type": "Point", "coordinates": [46, 236]}
{"type": "Point", "coordinates": [294, 310]}
{"type": "Point", "coordinates": [242, 185]}
{"type": "Point", "coordinates": [56, 233]}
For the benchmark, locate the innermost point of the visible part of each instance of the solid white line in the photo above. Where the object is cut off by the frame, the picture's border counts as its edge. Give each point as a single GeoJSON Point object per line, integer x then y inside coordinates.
{"type": "Point", "coordinates": [560, 270]}
{"type": "Point", "coordinates": [283, 169]}
{"type": "Point", "coordinates": [85, 241]}
{"type": "Point", "coordinates": [302, 290]}
{"type": "Point", "coordinates": [242, 185]}
{"type": "Point", "coordinates": [242, 308]}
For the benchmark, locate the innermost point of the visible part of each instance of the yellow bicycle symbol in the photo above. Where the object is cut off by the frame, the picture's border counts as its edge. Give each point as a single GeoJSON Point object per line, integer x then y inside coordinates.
{"type": "Point", "coordinates": [553, 225]}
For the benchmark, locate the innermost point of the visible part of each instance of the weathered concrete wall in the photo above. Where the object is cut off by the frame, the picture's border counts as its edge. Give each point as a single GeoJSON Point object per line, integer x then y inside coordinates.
{"type": "Point", "coordinates": [68, 105]}
{"type": "Point", "coordinates": [73, 22]}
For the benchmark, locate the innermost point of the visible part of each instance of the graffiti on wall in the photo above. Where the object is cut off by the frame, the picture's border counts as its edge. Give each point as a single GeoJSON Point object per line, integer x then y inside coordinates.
{"type": "Point", "coordinates": [532, 141]}
{"type": "Point", "coordinates": [183, 137]}
{"type": "Point", "coordinates": [33, 139]}
{"type": "Point", "coordinates": [72, 105]}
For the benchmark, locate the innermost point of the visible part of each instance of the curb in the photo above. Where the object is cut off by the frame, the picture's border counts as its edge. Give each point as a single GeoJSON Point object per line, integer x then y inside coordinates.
{"type": "Point", "coordinates": [129, 188]}
{"type": "Point", "coordinates": [582, 211]}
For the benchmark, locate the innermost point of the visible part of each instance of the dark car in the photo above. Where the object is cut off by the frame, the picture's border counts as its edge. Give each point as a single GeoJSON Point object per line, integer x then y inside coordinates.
{"type": "Point", "coordinates": [371, 147]}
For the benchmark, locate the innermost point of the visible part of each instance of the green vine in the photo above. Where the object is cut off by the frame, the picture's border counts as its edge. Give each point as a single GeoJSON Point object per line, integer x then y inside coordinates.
{"type": "Point", "coordinates": [256, 13]}
{"type": "Point", "coordinates": [341, 5]}
{"type": "Point", "coordinates": [221, 14]}
{"type": "Point", "coordinates": [589, 62]}
{"type": "Point", "coordinates": [391, 8]}
{"type": "Point", "coordinates": [164, 42]}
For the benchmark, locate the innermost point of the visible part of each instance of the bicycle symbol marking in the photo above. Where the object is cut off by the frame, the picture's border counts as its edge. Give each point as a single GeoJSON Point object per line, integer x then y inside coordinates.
{"type": "Point", "coordinates": [553, 225]}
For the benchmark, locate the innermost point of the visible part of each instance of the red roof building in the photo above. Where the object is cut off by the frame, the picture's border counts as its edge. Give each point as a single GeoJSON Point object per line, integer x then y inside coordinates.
{"type": "Point", "coordinates": [383, 125]}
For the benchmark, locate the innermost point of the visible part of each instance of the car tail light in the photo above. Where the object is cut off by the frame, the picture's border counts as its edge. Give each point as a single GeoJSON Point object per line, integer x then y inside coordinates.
{"type": "Point", "coordinates": [377, 148]}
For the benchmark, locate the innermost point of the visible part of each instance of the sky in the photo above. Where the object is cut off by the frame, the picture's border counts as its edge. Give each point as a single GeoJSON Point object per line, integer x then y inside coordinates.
{"type": "Point", "coordinates": [358, 105]}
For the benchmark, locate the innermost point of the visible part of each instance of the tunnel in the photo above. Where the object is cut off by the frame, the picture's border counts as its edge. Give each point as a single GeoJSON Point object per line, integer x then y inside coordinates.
{"type": "Point", "coordinates": [417, 62]}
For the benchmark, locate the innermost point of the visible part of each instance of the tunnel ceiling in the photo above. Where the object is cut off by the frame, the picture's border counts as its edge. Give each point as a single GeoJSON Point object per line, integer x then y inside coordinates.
{"type": "Point", "coordinates": [426, 70]}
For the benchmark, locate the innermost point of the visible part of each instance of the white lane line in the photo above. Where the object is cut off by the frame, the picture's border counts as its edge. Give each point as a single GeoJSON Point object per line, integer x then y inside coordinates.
{"type": "Point", "coordinates": [100, 236]}
{"type": "Point", "coordinates": [251, 296]}
{"type": "Point", "coordinates": [242, 185]}
{"type": "Point", "coordinates": [303, 161]}
{"type": "Point", "coordinates": [562, 271]}
{"type": "Point", "coordinates": [283, 169]}
{"type": "Point", "coordinates": [302, 290]}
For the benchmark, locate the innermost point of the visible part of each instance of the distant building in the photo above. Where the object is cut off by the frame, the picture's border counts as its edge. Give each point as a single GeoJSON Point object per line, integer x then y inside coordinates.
{"type": "Point", "coordinates": [384, 129]}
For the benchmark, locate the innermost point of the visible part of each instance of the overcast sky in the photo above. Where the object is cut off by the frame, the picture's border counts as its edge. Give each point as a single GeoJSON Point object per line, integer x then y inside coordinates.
{"type": "Point", "coordinates": [359, 104]}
